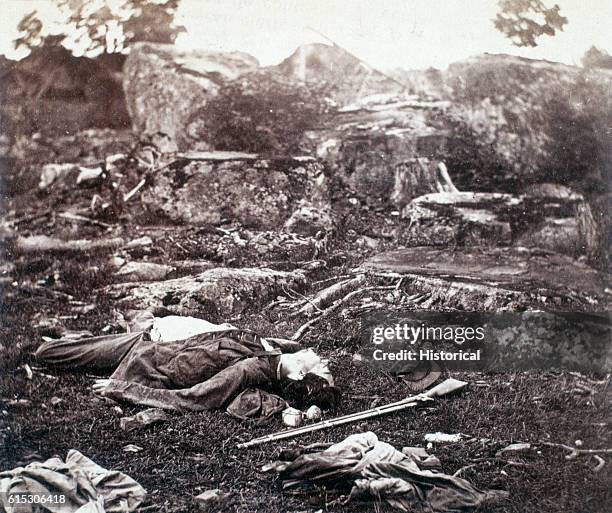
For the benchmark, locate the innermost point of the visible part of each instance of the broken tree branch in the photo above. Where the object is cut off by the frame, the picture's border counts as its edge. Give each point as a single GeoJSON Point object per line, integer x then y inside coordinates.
{"type": "Point", "coordinates": [302, 329]}
{"type": "Point", "coordinates": [75, 217]}
{"type": "Point", "coordinates": [44, 244]}
{"type": "Point", "coordinates": [328, 295]}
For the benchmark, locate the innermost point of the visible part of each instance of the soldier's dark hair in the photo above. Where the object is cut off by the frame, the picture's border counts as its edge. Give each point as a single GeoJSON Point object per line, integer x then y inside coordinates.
{"type": "Point", "coordinates": [312, 389]}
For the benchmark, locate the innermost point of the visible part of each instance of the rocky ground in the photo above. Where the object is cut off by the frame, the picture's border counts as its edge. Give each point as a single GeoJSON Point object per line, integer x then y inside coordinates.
{"type": "Point", "coordinates": [234, 264]}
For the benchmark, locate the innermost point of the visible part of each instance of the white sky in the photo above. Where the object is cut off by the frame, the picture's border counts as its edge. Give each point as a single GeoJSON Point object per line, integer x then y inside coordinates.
{"type": "Point", "coordinates": [385, 33]}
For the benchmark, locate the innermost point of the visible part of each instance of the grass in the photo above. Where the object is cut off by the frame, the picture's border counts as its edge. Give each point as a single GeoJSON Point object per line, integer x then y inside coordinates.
{"type": "Point", "coordinates": [194, 452]}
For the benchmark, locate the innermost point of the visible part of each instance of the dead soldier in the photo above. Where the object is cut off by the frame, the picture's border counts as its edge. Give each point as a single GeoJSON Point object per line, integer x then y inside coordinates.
{"type": "Point", "coordinates": [189, 364]}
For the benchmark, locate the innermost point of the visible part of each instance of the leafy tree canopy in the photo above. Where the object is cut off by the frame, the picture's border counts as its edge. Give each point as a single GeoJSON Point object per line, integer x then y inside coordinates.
{"type": "Point", "coordinates": [97, 26]}
{"type": "Point", "coordinates": [524, 21]}
{"type": "Point", "coordinates": [596, 58]}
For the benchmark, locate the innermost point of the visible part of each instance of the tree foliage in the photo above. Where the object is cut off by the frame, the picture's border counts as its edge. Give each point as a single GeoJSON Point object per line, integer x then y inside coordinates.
{"type": "Point", "coordinates": [596, 58]}
{"type": "Point", "coordinates": [262, 112]}
{"type": "Point", "coordinates": [524, 21]}
{"type": "Point", "coordinates": [96, 26]}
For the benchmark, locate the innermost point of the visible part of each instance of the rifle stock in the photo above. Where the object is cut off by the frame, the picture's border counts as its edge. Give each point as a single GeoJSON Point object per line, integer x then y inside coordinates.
{"type": "Point", "coordinates": [448, 386]}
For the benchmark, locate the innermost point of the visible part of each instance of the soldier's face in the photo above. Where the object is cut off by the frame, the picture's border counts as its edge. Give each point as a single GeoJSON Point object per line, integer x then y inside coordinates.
{"type": "Point", "coordinates": [305, 361]}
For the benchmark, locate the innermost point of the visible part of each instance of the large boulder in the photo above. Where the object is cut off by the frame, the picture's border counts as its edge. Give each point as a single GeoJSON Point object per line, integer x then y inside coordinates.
{"type": "Point", "coordinates": [529, 120]}
{"type": "Point", "coordinates": [208, 188]}
{"type": "Point", "coordinates": [490, 279]}
{"type": "Point", "coordinates": [468, 218]}
{"type": "Point", "coordinates": [346, 75]}
{"type": "Point", "coordinates": [215, 294]}
{"type": "Point", "coordinates": [164, 87]}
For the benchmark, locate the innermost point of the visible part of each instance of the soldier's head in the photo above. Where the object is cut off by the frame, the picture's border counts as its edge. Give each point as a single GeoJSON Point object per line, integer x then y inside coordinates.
{"type": "Point", "coordinates": [295, 366]}
{"type": "Point", "coordinates": [307, 380]}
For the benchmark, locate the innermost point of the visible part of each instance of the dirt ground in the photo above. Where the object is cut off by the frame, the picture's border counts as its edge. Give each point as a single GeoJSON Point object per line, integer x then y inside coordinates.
{"type": "Point", "coordinates": [194, 452]}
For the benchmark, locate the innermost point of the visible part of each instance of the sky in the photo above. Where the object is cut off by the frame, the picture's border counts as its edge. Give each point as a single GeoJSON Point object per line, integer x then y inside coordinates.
{"type": "Point", "coordinates": [412, 34]}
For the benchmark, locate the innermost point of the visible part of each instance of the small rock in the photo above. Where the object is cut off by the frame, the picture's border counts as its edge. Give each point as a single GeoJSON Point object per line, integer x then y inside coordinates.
{"type": "Point", "coordinates": [140, 242]}
{"type": "Point", "coordinates": [370, 242]}
{"type": "Point", "coordinates": [83, 309]}
{"type": "Point", "coordinates": [142, 419]}
{"type": "Point", "coordinates": [116, 262]}
{"type": "Point", "coordinates": [442, 438]}
{"type": "Point", "coordinates": [54, 401]}
{"type": "Point", "coordinates": [578, 443]}
{"type": "Point", "coordinates": [51, 172]}
{"type": "Point", "coordinates": [514, 448]}
{"type": "Point", "coordinates": [143, 271]}
{"type": "Point", "coordinates": [132, 448]}
{"type": "Point", "coordinates": [358, 359]}
{"type": "Point", "coordinates": [308, 220]}
{"type": "Point", "coordinates": [211, 498]}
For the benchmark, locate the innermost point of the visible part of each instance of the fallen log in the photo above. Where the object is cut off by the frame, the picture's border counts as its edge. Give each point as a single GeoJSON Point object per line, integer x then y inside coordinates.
{"type": "Point", "coordinates": [45, 244]}
{"type": "Point", "coordinates": [328, 295]}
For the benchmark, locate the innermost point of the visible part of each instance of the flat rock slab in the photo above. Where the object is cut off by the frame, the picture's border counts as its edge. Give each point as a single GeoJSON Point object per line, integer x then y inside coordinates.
{"type": "Point", "coordinates": [474, 218]}
{"type": "Point", "coordinates": [214, 294]}
{"type": "Point", "coordinates": [256, 193]}
{"type": "Point", "coordinates": [484, 279]}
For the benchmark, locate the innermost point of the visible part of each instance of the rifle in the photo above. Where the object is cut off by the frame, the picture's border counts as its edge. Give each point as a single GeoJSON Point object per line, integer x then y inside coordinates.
{"type": "Point", "coordinates": [446, 387]}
